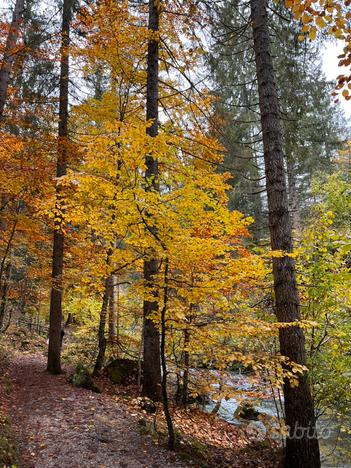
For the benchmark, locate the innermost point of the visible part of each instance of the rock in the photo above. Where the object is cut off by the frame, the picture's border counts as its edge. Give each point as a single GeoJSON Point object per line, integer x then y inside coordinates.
{"type": "Point", "coordinates": [82, 378]}
{"type": "Point", "coordinates": [192, 398]}
{"type": "Point", "coordinates": [239, 368]}
{"type": "Point", "coordinates": [123, 371]}
{"type": "Point", "coordinates": [104, 438]}
{"type": "Point", "coordinates": [25, 344]}
{"type": "Point", "coordinates": [142, 422]}
{"type": "Point", "coordinates": [247, 410]}
{"type": "Point", "coordinates": [148, 405]}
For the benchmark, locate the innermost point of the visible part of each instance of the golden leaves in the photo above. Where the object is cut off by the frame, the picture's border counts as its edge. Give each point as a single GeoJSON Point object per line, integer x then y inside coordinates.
{"type": "Point", "coordinates": [312, 33]}
{"type": "Point", "coordinates": [331, 16]}
{"type": "Point", "coordinates": [320, 22]}
{"type": "Point", "coordinates": [158, 4]}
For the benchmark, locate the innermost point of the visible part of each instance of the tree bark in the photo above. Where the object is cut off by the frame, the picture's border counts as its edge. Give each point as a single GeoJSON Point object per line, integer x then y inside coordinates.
{"type": "Point", "coordinates": [151, 336]}
{"type": "Point", "coordinates": [102, 325]}
{"type": "Point", "coordinates": [118, 319]}
{"type": "Point", "coordinates": [68, 320]}
{"type": "Point", "coordinates": [112, 308]}
{"type": "Point", "coordinates": [9, 53]}
{"type": "Point", "coordinates": [4, 294]}
{"type": "Point", "coordinates": [54, 353]}
{"type": "Point", "coordinates": [302, 449]}
{"type": "Point", "coordinates": [185, 390]}
{"type": "Point", "coordinates": [170, 428]}
{"type": "Point", "coordinates": [293, 195]}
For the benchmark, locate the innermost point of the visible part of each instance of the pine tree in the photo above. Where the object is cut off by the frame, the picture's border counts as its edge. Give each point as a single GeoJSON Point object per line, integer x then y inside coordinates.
{"type": "Point", "coordinates": [312, 126]}
{"type": "Point", "coordinates": [302, 449]}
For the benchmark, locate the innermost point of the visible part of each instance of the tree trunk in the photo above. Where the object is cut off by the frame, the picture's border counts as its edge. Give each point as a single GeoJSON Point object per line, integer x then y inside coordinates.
{"type": "Point", "coordinates": [185, 389]}
{"type": "Point", "coordinates": [302, 449]}
{"type": "Point", "coordinates": [9, 245]}
{"type": "Point", "coordinates": [69, 319]}
{"type": "Point", "coordinates": [293, 195]}
{"type": "Point", "coordinates": [169, 422]}
{"type": "Point", "coordinates": [54, 353]}
{"type": "Point", "coordinates": [9, 53]}
{"type": "Point", "coordinates": [102, 325]}
{"type": "Point", "coordinates": [151, 336]}
{"type": "Point", "coordinates": [112, 308]}
{"type": "Point", "coordinates": [118, 319]}
{"type": "Point", "coordinates": [4, 294]}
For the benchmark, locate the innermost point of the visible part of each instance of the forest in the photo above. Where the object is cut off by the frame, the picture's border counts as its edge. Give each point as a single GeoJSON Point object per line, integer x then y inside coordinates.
{"type": "Point", "coordinates": [175, 234]}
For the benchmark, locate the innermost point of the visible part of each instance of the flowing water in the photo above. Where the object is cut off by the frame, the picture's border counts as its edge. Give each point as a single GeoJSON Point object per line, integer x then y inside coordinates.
{"type": "Point", "coordinates": [335, 444]}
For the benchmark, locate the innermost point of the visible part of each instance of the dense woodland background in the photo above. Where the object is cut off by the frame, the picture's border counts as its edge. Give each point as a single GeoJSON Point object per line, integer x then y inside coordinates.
{"type": "Point", "coordinates": [175, 200]}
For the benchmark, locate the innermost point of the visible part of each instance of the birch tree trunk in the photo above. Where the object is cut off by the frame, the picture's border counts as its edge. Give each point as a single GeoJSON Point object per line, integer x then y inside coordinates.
{"type": "Point", "coordinates": [302, 449]}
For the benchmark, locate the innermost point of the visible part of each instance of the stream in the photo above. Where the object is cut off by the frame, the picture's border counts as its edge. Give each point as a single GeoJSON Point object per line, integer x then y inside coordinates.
{"type": "Point", "coordinates": [335, 445]}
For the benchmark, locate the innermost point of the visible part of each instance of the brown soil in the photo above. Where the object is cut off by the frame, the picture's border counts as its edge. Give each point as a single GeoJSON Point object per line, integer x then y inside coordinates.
{"type": "Point", "coordinates": [58, 425]}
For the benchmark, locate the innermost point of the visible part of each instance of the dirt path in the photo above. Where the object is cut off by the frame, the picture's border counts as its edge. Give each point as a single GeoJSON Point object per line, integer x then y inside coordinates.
{"type": "Point", "coordinates": [58, 425]}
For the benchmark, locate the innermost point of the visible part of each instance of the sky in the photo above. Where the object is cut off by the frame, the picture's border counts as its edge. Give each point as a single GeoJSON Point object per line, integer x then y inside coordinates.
{"type": "Point", "coordinates": [329, 61]}
{"type": "Point", "coordinates": [332, 70]}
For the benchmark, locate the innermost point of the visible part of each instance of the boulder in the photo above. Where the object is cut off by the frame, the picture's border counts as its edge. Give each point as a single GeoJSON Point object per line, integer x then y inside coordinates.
{"type": "Point", "coordinates": [148, 405]}
{"type": "Point", "coordinates": [123, 371]}
{"type": "Point", "coordinates": [25, 344]}
{"type": "Point", "coordinates": [82, 378]}
{"type": "Point", "coordinates": [247, 410]}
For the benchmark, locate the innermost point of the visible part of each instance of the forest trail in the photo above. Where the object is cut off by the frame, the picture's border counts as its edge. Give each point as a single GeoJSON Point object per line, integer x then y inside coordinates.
{"type": "Point", "coordinates": [58, 425]}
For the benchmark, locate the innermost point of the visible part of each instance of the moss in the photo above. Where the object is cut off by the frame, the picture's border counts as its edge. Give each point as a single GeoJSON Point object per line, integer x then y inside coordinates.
{"type": "Point", "coordinates": [8, 455]}
{"type": "Point", "coordinates": [246, 410]}
{"type": "Point", "coordinates": [147, 405]}
{"type": "Point", "coordinates": [20, 332]}
{"type": "Point", "coordinates": [192, 450]}
{"type": "Point", "coordinates": [147, 428]}
{"type": "Point", "coordinates": [122, 371]}
{"type": "Point", "coordinates": [82, 378]}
